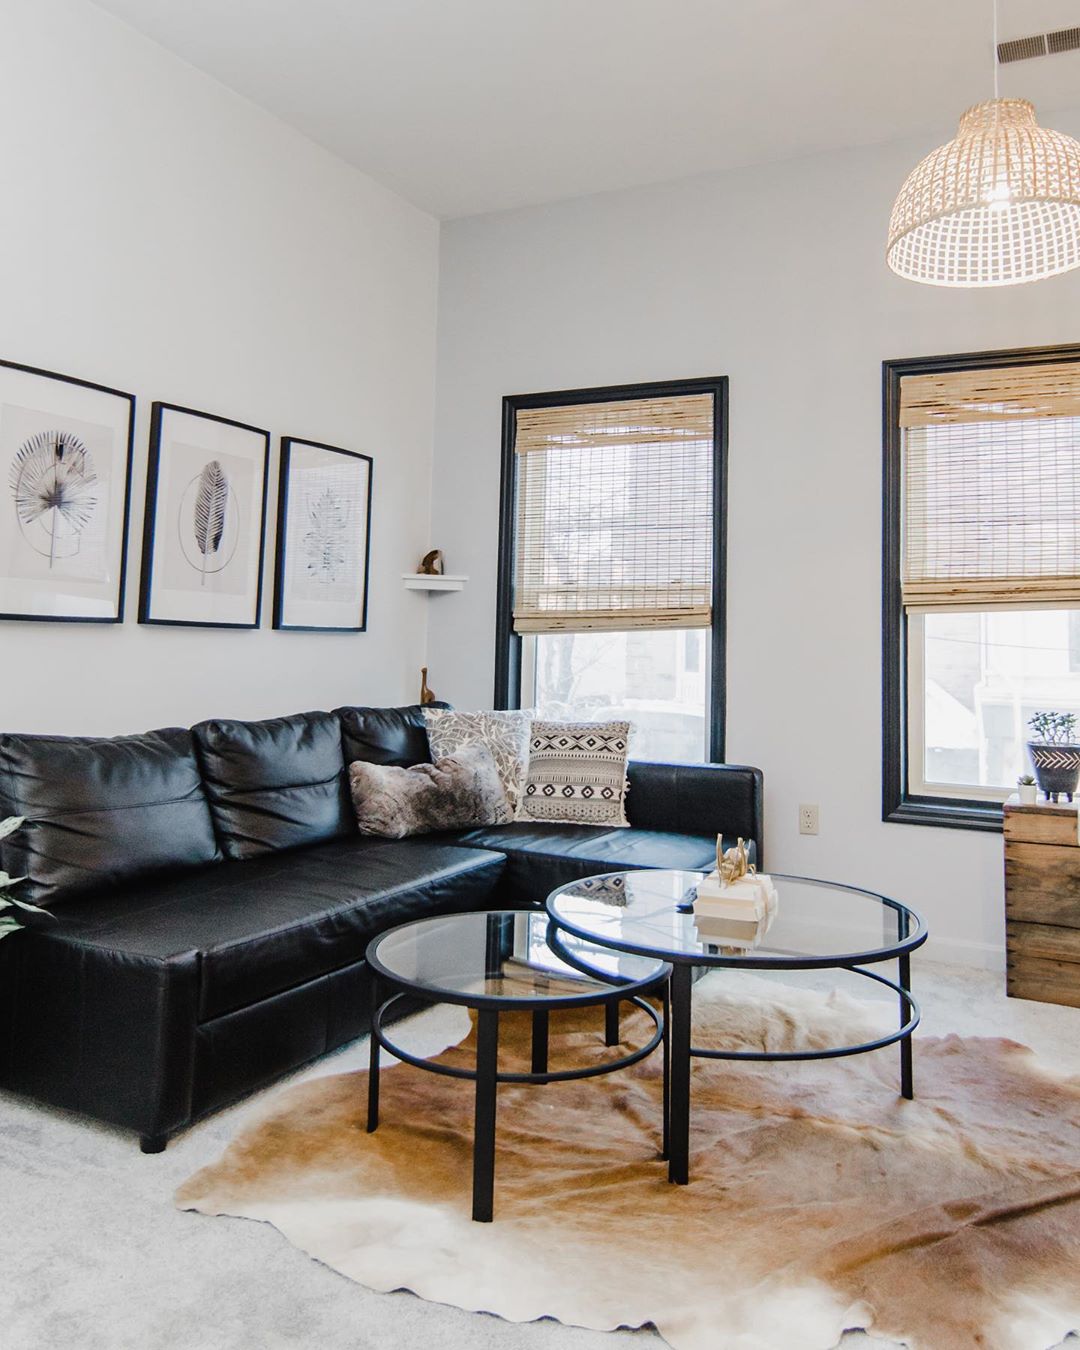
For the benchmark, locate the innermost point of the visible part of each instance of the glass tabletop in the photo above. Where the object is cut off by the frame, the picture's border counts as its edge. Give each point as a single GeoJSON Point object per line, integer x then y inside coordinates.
{"type": "Point", "coordinates": [505, 956]}
{"type": "Point", "coordinates": [815, 923]}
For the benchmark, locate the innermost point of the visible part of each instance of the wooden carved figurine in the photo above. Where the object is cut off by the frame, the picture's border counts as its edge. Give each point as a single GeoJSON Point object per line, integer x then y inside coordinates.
{"type": "Point", "coordinates": [431, 564]}
{"type": "Point", "coordinates": [426, 695]}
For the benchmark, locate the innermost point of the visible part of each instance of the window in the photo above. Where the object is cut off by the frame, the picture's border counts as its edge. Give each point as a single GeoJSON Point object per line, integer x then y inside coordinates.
{"type": "Point", "coordinates": [981, 575]}
{"type": "Point", "coordinates": [611, 561]}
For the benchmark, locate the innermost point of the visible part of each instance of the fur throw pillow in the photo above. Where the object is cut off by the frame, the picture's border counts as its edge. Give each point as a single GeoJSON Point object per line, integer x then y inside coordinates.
{"type": "Point", "coordinates": [458, 792]}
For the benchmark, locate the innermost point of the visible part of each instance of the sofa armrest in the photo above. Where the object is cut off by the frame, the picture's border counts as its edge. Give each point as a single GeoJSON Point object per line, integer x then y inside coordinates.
{"type": "Point", "coordinates": [108, 1033]}
{"type": "Point", "coordinates": [707, 799]}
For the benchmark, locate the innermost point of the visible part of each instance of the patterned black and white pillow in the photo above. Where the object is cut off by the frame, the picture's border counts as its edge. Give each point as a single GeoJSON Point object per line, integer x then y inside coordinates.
{"type": "Point", "coordinates": [505, 735]}
{"type": "Point", "coordinates": [577, 774]}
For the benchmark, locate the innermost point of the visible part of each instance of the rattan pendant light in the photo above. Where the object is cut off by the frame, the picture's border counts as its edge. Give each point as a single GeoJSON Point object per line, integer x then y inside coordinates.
{"type": "Point", "coordinates": [998, 205]}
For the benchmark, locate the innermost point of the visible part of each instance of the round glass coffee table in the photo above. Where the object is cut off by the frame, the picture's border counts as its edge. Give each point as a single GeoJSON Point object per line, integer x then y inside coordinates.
{"type": "Point", "coordinates": [503, 962]}
{"type": "Point", "coordinates": [818, 925]}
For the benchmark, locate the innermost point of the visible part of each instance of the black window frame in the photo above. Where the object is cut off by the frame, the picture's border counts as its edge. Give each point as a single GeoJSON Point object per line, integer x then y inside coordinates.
{"type": "Point", "coordinates": [508, 643]}
{"type": "Point", "coordinates": [899, 806]}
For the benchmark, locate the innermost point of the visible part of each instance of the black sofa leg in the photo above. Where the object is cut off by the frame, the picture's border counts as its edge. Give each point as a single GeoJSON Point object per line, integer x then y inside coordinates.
{"type": "Point", "coordinates": [153, 1143]}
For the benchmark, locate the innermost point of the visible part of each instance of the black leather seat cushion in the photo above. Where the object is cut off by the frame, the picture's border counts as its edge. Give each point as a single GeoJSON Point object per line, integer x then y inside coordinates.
{"type": "Point", "coordinates": [275, 784]}
{"type": "Point", "coordinates": [386, 735]}
{"type": "Point", "coordinates": [101, 811]}
{"type": "Point", "coordinates": [541, 857]}
{"type": "Point", "coordinates": [268, 924]}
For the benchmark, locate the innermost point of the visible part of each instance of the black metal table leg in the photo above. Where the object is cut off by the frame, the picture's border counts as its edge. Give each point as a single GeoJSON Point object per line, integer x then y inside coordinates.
{"type": "Point", "coordinates": [667, 1069]}
{"type": "Point", "coordinates": [487, 1066]}
{"type": "Point", "coordinates": [907, 1086]}
{"type": "Point", "coordinates": [373, 1063]}
{"type": "Point", "coordinates": [611, 1023]}
{"type": "Point", "coordinates": [679, 1078]}
{"type": "Point", "coordinates": [540, 1040]}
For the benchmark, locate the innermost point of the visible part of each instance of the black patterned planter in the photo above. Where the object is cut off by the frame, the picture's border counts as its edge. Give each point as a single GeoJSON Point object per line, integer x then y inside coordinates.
{"type": "Point", "coordinates": [1057, 768]}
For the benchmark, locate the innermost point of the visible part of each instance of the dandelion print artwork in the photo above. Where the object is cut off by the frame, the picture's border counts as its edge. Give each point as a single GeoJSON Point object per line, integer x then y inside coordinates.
{"type": "Point", "coordinates": [56, 492]}
{"type": "Point", "coordinates": [65, 475]}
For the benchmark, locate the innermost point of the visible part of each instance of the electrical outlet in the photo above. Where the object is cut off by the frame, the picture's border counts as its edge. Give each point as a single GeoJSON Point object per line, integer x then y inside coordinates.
{"type": "Point", "coordinates": [808, 819]}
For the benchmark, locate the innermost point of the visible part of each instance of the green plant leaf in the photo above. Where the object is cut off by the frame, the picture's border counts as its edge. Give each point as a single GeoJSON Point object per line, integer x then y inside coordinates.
{"type": "Point", "coordinates": [8, 899]}
{"type": "Point", "coordinates": [10, 825]}
{"type": "Point", "coordinates": [9, 925]}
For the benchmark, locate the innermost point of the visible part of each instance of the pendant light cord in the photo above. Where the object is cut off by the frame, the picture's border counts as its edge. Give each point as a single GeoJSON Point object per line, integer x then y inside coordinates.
{"type": "Point", "coordinates": [995, 50]}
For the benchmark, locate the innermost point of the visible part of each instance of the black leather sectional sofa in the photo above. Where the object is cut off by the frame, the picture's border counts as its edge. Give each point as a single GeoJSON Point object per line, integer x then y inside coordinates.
{"type": "Point", "coordinates": [213, 898]}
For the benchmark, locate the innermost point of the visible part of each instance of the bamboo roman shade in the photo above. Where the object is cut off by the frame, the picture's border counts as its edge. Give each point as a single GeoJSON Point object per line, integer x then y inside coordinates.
{"type": "Point", "coordinates": [991, 471]}
{"type": "Point", "coordinates": [614, 526]}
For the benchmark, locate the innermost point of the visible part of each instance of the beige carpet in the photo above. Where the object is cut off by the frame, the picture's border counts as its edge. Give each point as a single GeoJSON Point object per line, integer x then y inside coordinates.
{"type": "Point", "coordinates": [819, 1200]}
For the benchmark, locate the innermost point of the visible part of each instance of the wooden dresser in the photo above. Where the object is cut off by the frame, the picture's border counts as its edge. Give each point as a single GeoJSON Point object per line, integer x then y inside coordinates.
{"type": "Point", "coordinates": [1042, 902]}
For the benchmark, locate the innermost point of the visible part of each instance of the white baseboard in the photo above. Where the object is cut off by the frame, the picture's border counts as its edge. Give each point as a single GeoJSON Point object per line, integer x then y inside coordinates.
{"type": "Point", "coordinates": [960, 952]}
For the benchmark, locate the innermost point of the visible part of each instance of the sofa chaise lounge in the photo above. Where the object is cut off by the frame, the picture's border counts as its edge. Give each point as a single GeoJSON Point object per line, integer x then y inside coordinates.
{"type": "Point", "coordinates": [212, 898]}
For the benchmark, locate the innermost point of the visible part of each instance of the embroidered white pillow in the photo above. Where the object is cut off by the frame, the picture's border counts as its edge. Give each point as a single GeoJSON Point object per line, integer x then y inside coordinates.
{"type": "Point", "coordinates": [505, 735]}
{"type": "Point", "coordinates": [577, 774]}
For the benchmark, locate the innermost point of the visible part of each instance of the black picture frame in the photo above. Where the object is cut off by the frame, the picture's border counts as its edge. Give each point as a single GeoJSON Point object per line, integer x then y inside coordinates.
{"type": "Point", "coordinates": [289, 444]}
{"type": "Point", "coordinates": [508, 643]}
{"type": "Point", "coordinates": [899, 806]}
{"type": "Point", "coordinates": [160, 412]}
{"type": "Point", "coordinates": [120, 527]}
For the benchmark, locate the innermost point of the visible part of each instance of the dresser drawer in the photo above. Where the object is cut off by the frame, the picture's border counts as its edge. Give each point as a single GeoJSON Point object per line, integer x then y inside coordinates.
{"type": "Point", "coordinates": [1042, 884]}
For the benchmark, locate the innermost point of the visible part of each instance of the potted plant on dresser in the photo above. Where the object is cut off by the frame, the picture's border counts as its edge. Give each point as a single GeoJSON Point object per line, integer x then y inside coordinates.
{"type": "Point", "coordinates": [1055, 756]}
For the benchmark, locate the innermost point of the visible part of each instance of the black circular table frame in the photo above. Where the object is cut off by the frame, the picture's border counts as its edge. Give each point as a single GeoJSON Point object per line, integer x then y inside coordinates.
{"type": "Point", "coordinates": [678, 1007]}
{"type": "Point", "coordinates": [390, 989]}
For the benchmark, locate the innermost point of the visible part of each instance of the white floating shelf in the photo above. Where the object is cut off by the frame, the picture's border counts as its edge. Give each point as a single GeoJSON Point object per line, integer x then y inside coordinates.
{"type": "Point", "coordinates": [421, 581]}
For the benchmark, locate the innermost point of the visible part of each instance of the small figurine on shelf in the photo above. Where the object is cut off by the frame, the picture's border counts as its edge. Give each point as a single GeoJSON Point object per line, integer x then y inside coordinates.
{"type": "Point", "coordinates": [426, 695]}
{"type": "Point", "coordinates": [431, 564]}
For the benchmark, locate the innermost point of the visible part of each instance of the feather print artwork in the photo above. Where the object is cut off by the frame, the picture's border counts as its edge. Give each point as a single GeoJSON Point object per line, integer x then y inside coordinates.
{"type": "Point", "coordinates": [211, 506]}
{"type": "Point", "coordinates": [55, 489]}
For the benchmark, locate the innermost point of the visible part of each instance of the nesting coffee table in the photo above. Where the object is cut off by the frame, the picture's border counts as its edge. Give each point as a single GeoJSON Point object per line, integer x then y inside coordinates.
{"type": "Point", "coordinates": [819, 925]}
{"type": "Point", "coordinates": [499, 962]}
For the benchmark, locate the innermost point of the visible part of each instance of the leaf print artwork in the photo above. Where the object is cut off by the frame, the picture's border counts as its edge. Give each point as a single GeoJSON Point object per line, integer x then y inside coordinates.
{"type": "Point", "coordinates": [211, 508]}
{"type": "Point", "coordinates": [56, 492]}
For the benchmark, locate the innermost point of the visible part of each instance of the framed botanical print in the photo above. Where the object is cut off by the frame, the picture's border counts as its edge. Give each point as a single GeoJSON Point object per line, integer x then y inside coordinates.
{"type": "Point", "coordinates": [65, 481]}
{"type": "Point", "coordinates": [323, 538]}
{"type": "Point", "coordinates": [205, 520]}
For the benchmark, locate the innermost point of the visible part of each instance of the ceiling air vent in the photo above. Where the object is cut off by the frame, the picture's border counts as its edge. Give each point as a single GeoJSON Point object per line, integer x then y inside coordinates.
{"type": "Point", "coordinates": [1065, 40]}
{"type": "Point", "coordinates": [1022, 49]}
{"type": "Point", "coordinates": [1040, 44]}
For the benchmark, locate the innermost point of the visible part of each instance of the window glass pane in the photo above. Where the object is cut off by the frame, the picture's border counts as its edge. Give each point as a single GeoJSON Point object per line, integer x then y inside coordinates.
{"type": "Point", "coordinates": [985, 675]}
{"type": "Point", "coordinates": [655, 680]}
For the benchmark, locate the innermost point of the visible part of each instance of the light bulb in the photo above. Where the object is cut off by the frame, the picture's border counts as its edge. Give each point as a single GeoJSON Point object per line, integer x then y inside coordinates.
{"type": "Point", "coordinates": [999, 198]}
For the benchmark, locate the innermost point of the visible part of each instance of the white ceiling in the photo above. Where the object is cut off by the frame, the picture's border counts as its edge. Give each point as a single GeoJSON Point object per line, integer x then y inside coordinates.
{"type": "Point", "coordinates": [466, 106]}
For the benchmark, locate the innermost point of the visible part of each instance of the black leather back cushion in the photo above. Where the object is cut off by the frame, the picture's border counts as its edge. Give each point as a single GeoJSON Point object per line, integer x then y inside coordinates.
{"type": "Point", "coordinates": [101, 811]}
{"type": "Point", "coordinates": [275, 784]}
{"type": "Point", "coordinates": [386, 735]}
{"type": "Point", "coordinates": [707, 799]}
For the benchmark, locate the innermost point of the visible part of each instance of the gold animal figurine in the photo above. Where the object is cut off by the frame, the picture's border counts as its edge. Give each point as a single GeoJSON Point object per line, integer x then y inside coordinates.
{"type": "Point", "coordinates": [431, 564]}
{"type": "Point", "coordinates": [734, 863]}
{"type": "Point", "coordinates": [426, 695]}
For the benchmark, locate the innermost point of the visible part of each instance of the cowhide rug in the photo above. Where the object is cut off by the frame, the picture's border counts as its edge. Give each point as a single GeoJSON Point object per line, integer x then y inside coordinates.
{"type": "Point", "coordinates": [819, 1199]}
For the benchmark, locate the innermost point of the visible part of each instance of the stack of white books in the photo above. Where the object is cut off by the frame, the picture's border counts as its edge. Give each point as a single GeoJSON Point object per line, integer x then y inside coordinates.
{"type": "Point", "coordinates": [738, 912]}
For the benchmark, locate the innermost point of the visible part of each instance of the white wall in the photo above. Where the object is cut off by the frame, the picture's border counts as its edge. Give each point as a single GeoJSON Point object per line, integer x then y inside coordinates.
{"type": "Point", "coordinates": [163, 236]}
{"type": "Point", "coordinates": [775, 277]}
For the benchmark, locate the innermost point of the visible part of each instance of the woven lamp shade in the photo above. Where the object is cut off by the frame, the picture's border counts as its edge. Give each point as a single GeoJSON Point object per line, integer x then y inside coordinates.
{"type": "Point", "coordinates": [998, 205]}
